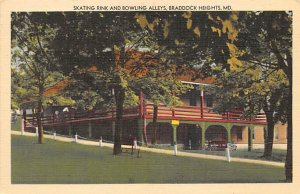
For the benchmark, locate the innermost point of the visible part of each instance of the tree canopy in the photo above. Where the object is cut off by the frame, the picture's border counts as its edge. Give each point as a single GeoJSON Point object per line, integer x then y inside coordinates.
{"type": "Point", "coordinates": [109, 56]}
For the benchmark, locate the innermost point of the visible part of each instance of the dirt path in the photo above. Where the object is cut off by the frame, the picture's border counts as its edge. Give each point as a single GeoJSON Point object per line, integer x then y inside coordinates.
{"type": "Point", "coordinates": [155, 150]}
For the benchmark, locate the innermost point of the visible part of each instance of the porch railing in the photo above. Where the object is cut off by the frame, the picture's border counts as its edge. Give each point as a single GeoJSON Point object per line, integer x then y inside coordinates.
{"type": "Point", "coordinates": [81, 116]}
{"type": "Point", "coordinates": [196, 113]}
{"type": "Point", "coordinates": [147, 111]}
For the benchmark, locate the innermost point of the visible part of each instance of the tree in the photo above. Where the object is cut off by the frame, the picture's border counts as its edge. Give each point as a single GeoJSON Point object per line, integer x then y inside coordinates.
{"type": "Point", "coordinates": [193, 40]}
{"type": "Point", "coordinates": [161, 87]}
{"type": "Point", "coordinates": [115, 46]}
{"type": "Point", "coordinates": [230, 38]}
{"type": "Point", "coordinates": [252, 89]}
{"type": "Point", "coordinates": [31, 56]}
{"type": "Point", "coordinates": [267, 39]}
{"type": "Point", "coordinates": [264, 42]}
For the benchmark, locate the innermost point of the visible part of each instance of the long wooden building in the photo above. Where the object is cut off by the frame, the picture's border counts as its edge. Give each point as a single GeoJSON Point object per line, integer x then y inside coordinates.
{"type": "Point", "coordinates": [197, 123]}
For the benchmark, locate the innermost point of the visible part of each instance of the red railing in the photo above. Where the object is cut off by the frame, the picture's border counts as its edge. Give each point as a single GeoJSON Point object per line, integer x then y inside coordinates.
{"type": "Point", "coordinates": [82, 117]}
{"type": "Point", "coordinates": [192, 113]}
{"type": "Point", "coordinates": [195, 113]}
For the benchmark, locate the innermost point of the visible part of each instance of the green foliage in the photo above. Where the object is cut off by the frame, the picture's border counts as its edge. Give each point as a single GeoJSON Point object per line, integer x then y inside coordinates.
{"type": "Point", "coordinates": [161, 87]}
{"type": "Point", "coordinates": [257, 80]}
{"type": "Point", "coordinates": [134, 57]}
{"type": "Point", "coordinates": [251, 90]}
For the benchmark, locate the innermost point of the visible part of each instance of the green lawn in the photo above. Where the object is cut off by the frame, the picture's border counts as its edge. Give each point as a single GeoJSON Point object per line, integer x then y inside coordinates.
{"type": "Point", "coordinates": [277, 154]}
{"type": "Point", "coordinates": [58, 162]}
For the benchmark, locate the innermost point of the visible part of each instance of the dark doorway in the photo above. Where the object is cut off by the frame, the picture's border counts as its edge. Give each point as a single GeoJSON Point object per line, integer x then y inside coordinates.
{"type": "Point", "coordinates": [216, 133]}
{"type": "Point", "coordinates": [163, 135]}
{"type": "Point", "coordinates": [190, 135]}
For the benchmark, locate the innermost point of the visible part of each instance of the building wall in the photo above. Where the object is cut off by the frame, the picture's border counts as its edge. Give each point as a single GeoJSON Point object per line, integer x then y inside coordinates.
{"type": "Point", "coordinates": [258, 135]}
{"type": "Point", "coordinates": [281, 130]}
{"type": "Point", "coordinates": [195, 94]}
{"type": "Point", "coordinates": [280, 133]}
{"type": "Point", "coordinates": [242, 137]}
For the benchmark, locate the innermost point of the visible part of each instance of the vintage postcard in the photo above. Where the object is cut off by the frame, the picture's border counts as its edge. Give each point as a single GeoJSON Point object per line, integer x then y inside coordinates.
{"type": "Point", "coordinates": [149, 96]}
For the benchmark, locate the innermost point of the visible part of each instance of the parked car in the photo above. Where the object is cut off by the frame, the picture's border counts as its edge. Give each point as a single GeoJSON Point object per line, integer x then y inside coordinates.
{"type": "Point", "coordinates": [216, 144]}
{"type": "Point", "coordinates": [220, 144]}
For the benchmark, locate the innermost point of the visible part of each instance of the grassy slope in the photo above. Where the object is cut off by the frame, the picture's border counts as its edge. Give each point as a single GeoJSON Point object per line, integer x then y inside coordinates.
{"type": "Point", "coordinates": [58, 162]}
{"type": "Point", "coordinates": [277, 154]}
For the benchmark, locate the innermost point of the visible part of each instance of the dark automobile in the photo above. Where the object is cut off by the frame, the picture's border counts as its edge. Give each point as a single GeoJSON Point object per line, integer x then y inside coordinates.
{"type": "Point", "coordinates": [219, 144]}
{"type": "Point", "coordinates": [216, 145]}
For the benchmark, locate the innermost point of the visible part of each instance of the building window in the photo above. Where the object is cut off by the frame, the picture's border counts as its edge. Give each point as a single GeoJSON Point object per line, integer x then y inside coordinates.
{"type": "Point", "coordinates": [253, 134]}
{"type": "Point", "coordinates": [239, 134]}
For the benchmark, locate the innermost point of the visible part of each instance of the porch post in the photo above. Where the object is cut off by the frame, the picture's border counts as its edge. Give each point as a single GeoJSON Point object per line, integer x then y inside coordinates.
{"type": "Point", "coordinates": [32, 116]}
{"type": "Point", "coordinates": [139, 131]}
{"type": "Point", "coordinates": [53, 119]}
{"type": "Point", "coordinates": [250, 133]}
{"type": "Point", "coordinates": [141, 127]}
{"type": "Point", "coordinates": [141, 109]}
{"type": "Point", "coordinates": [202, 103]}
{"type": "Point", "coordinates": [203, 129]}
{"type": "Point", "coordinates": [145, 130]}
{"type": "Point", "coordinates": [69, 125]}
{"type": "Point", "coordinates": [70, 129]}
{"type": "Point", "coordinates": [90, 129]}
{"type": "Point", "coordinates": [228, 128]}
{"type": "Point", "coordinates": [175, 138]}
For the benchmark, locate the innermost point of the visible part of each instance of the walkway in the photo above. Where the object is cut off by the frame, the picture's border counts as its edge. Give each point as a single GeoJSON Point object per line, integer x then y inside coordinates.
{"type": "Point", "coordinates": [155, 150]}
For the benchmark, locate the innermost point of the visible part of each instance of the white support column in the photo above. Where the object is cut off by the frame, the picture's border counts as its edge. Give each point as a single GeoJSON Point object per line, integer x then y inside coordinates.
{"type": "Point", "coordinates": [135, 144]}
{"type": "Point", "coordinates": [227, 153]}
{"type": "Point", "coordinates": [100, 142]}
{"type": "Point", "coordinates": [36, 132]}
{"type": "Point", "coordinates": [175, 149]}
{"type": "Point", "coordinates": [76, 139]}
{"type": "Point", "coordinates": [175, 138]}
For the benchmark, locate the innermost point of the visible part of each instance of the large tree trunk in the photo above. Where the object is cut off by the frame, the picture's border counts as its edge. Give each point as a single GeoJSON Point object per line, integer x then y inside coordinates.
{"type": "Point", "coordinates": [155, 112]}
{"type": "Point", "coordinates": [285, 63]}
{"type": "Point", "coordinates": [39, 115]}
{"type": "Point", "coordinates": [289, 155]}
{"type": "Point", "coordinates": [270, 135]}
{"type": "Point", "coordinates": [119, 97]}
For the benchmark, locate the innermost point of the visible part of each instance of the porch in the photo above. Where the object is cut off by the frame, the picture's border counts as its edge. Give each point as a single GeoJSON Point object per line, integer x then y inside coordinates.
{"type": "Point", "coordinates": [197, 124]}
